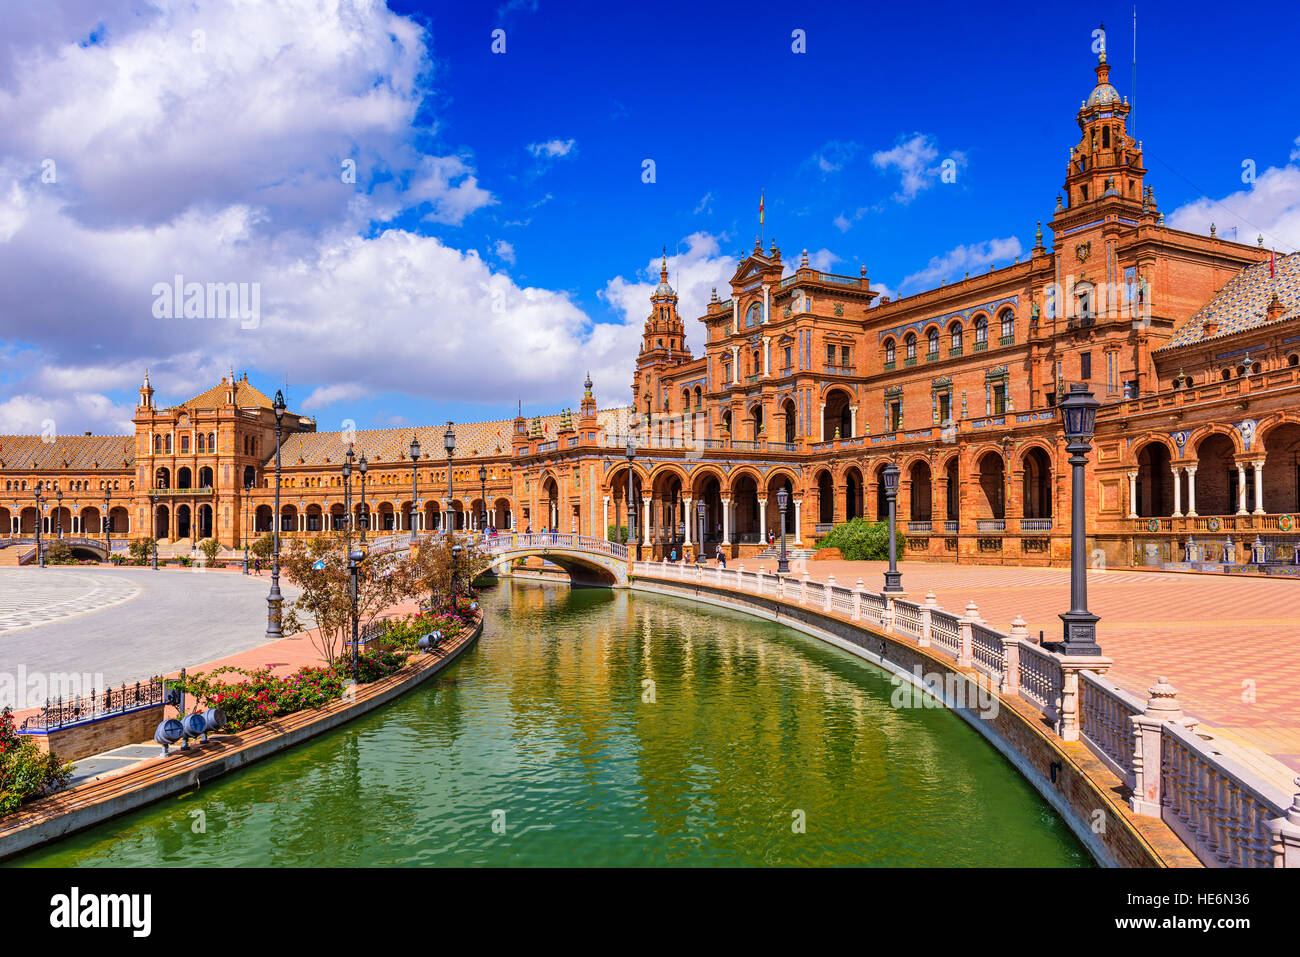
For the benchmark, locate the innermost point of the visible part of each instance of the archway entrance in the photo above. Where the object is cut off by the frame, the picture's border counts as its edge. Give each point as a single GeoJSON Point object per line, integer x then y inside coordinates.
{"type": "Point", "coordinates": [993, 483]}
{"type": "Point", "coordinates": [919, 478]}
{"type": "Point", "coordinates": [837, 417]}
{"type": "Point", "coordinates": [1155, 482]}
{"type": "Point", "coordinates": [1217, 478]}
{"type": "Point", "coordinates": [1037, 484]}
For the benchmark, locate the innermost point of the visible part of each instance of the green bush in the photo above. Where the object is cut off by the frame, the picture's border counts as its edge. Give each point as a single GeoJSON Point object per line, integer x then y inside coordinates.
{"type": "Point", "coordinates": [617, 533]}
{"type": "Point", "coordinates": [25, 771]}
{"type": "Point", "coordinates": [859, 540]}
{"type": "Point", "coordinates": [210, 547]}
{"type": "Point", "coordinates": [142, 550]}
{"type": "Point", "coordinates": [58, 553]}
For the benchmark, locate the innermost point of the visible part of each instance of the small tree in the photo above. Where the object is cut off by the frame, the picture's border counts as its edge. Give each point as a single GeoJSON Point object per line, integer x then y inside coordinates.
{"type": "Point", "coordinates": [263, 548]}
{"type": "Point", "coordinates": [430, 569]}
{"type": "Point", "coordinates": [58, 553]}
{"type": "Point", "coordinates": [141, 549]}
{"type": "Point", "coordinates": [859, 540]}
{"type": "Point", "coordinates": [618, 533]}
{"type": "Point", "coordinates": [319, 567]}
{"type": "Point", "coordinates": [209, 547]}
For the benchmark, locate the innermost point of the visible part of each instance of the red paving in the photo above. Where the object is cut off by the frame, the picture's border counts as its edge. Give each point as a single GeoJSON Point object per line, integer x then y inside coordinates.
{"type": "Point", "coordinates": [1229, 645]}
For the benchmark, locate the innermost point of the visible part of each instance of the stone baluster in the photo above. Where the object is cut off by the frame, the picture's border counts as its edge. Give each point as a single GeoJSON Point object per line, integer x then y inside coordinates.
{"type": "Point", "coordinates": [966, 641]}
{"type": "Point", "coordinates": [826, 598]}
{"type": "Point", "coordinates": [1284, 835]}
{"type": "Point", "coordinates": [803, 589]}
{"type": "Point", "coordinates": [1067, 713]}
{"type": "Point", "coordinates": [1010, 683]}
{"type": "Point", "coordinates": [1148, 781]}
{"type": "Point", "coordinates": [931, 603]}
{"type": "Point", "coordinates": [857, 601]}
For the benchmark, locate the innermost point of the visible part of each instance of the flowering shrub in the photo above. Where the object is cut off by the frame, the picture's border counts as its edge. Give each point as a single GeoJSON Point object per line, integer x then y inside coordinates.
{"type": "Point", "coordinates": [25, 771]}
{"type": "Point", "coordinates": [264, 697]}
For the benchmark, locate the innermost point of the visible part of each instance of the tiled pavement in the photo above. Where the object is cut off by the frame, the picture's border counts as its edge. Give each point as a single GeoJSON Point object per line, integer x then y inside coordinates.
{"type": "Point", "coordinates": [1231, 646]}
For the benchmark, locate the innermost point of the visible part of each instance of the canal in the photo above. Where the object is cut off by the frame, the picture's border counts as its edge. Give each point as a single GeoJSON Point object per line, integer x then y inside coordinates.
{"type": "Point", "coordinates": [594, 727]}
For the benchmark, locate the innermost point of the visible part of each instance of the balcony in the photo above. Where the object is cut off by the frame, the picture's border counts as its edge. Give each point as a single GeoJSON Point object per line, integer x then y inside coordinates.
{"type": "Point", "coordinates": [931, 356]}
{"type": "Point", "coordinates": [990, 524]}
{"type": "Point", "coordinates": [921, 527]}
{"type": "Point", "coordinates": [1007, 341]}
{"type": "Point", "coordinates": [955, 351]}
{"type": "Point", "coordinates": [836, 369]}
{"type": "Point", "coordinates": [910, 361]}
{"type": "Point", "coordinates": [981, 346]}
{"type": "Point", "coordinates": [1035, 524]}
{"type": "Point", "coordinates": [889, 366]}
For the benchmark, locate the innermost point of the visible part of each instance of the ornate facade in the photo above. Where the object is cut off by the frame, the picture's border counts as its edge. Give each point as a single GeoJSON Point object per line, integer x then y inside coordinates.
{"type": "Point", "coordinates": [813, 382]}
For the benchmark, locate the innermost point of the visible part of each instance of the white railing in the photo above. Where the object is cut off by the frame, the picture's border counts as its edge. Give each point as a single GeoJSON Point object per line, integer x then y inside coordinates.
{"type": "Point", "coordinates": [1040, 677]}
{"type": "Point", "coordinates": [1106, 722]}
{"type": "Point", "coordinates": [1221, 810]}
{"type": "Point", "coordinates": [530, 541]}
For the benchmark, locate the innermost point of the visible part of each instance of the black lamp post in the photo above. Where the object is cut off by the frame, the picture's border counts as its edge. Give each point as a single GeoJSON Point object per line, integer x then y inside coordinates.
{"type": "Point", "coordinates": [347, 500]}
{"type": "Point", "coordinates": [248, 492]}
{"type": "Point", "coordinates": [58, 510]}
{"type": "Point", "coordinates": [365, 516]}
{"type": "Point", "coordinates": [40, 555]}
{"type": "Point", "coordinates": [1079, 417]}
{"type": "Point", "coordinates": [782, 502]}
{"type": "Point", "coordinates": [631, 456]}
{"type": "Point", "coordinates": [415, 473]}
{"type": "Point", "coordinates": [482, 491]}
{"type": "Point", "coordinates": [449, 443]}
{"type": "Point", "coordinates": [274, 600]}
{"type": "Point", "coordinates": [893, 579]}
{"type": "Point", "coordinates": [700, 510]}
{"type": "Point", "coordinates": [354, 559]}
{"type": "Point", "coordinates": [108, 518]}
{"type": "Point", "coordinates": [455, 557]}
{"type": "Point", "coordinates": [153, 526]}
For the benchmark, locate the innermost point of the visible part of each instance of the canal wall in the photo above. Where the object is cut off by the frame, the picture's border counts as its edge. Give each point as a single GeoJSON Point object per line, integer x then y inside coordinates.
{"type": "Point", "coordinates": [93, 802]}
{"type": "Point", "coordinates": [1082, 789]}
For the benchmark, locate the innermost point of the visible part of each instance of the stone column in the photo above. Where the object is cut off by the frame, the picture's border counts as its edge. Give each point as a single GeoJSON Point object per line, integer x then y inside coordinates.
{"type": "Point", "coordinates": [605, 517]}
{"type": "Point", "coordinates": [735, 364]}
{"type": "Point", "coordinates": [965, 641]}
{"type": "Point", "coordinates": [1178, 492]}
{"type": "Point", "coordinates": [853, 421]}
{"type": "Point", "coordinates": [1241, 490]}
{"type": "Point", "coordinates": [1259, 487]}
{"type": "Point", "coordinates": [1162, 706]}
{"type": "Point", "coordinates": [767, 356]}
{"type": "Point", "coordinates": [1067, 714]}
{"type": "Point", "coordinates": [645, 519]}
{"type": "Point", "coordinates": [726, 521]}
{"type": "Point", "coordinates": [1191, 491]}
{"type": "Point", "coordinates": [798, 521]}
{"type": "Point", "coordinates": [686, 508]}
{"type": "Point", "coordinates": [1133, 495]}
{"type": "Point", "coordinates": [762, 519]}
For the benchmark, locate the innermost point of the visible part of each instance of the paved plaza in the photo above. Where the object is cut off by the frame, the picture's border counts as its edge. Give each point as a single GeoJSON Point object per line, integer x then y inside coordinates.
{"type": "Point", "coordinates": [126, 624]}
{"type": "Point", "coordinates": [1231, 646]}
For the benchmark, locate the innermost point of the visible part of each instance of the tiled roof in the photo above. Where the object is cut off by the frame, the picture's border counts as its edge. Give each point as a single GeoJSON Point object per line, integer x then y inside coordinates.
{"type": "Point", "coordinates": [246, 397]}
{"type": "Point", "coordinates": [385, 446]}
{"type": "Point", "coordinates": [79, 452]}
{"type": "Point", "coordinates": [1243, 303]}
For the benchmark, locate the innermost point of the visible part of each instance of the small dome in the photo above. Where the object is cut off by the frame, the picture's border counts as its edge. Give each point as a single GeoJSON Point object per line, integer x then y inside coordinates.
{"type": "Point", "coordinates": [664, 290]}
{"type": "Point", "coordinates": [1103, 94]}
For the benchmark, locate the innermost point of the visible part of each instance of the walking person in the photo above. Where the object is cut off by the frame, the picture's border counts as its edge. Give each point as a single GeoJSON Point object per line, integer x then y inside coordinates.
{"type": "Point", "coordinates": [672, 555]}
{"type": "Point", "coordinates": [722, 559]}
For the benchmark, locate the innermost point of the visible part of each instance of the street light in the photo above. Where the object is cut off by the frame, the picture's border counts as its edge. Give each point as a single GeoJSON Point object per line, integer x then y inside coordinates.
{"type": "Point", "coordinates": [482, 490]}
{"type": "Point", "coordinates": [347, 500]}
{"type": "Point", "coordinates": [449, 443]}
{"type": "Point", "coordinates": [699, 551]}
{"type": "Point", "coordinates": [248, 492]}
{"type": "Point", "coordinates": [631, 455]}
{"type": "Point", "coordinates": [108, 520]}
{"type": "Point", "coordinates": [153, 526]}
{"type": "Point", "coordinates": [354, 558]}
{"type": "Point", "coordinates": [40, 555]}
{"type": "Point", "coordinates": [58, 510]}
{"type": "Point", "coordinates": [455, 557]}
{"type": "Point", "coordinates": [365, 516]}
{"type": "Point", "coordinates": [274, 600]}
{"type": "Point", "coordinates": [415, 474]}
{"type": "Point", "coordinates": [1079, 418]}
{"type": "Point", "coordinates": [782, 501]}
{"type": "Point", "coordinates": [893, 579]}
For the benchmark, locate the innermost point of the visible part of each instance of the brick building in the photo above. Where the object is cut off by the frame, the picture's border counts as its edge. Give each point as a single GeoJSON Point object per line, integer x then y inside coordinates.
{"type": "Point", "coordinates": [812, 381]}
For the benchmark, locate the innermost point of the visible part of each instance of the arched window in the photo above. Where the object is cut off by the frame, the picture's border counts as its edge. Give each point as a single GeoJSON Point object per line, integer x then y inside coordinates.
{"type": "Point", "coordinates": [157, 445]}
{"type": "Point", "coordinates": [909, 343]}
{"type": "Point", "coordinates": [932, 341]}
{"type": "Point", "coordinates": [201, 447]}
{"type": "Point", "coordinates": [212, 441]}
{"type": "Point", "coordinates": [955, 331]}
{"type": "Point", "coordinates": [167, 445]}
{"type": "Point", "coordinates": [185, 443]}
{"type": "Point", "coordinates": [889, 350]}
{"type": "Point", "coordinates": [981, 332]}
{"type": "Point", "coordinates": [1293, 359]}
{"type": "Point", "coordinates": [1008, 327]}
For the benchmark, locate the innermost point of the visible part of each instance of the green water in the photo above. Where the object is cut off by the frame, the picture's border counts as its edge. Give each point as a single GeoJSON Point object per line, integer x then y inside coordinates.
{"type": "Point", "coordinates": [544, 730]}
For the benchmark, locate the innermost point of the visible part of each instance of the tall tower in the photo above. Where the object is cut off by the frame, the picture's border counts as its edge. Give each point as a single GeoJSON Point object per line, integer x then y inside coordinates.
{"type": "Point", "coordinates": [663, 345]}
{"type": "Point", "coordinates": [146, 392]}
{"type": "Point", "coordinates": [1105, 172]}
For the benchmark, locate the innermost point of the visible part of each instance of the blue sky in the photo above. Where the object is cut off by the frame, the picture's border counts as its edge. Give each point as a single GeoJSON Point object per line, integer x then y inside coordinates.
{"type": "Point", "coordinates": [498, 239]}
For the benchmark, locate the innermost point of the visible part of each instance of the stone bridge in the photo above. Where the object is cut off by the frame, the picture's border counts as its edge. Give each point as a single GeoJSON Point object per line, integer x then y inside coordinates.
{"type": "Point", "coordinates": [589, 561]}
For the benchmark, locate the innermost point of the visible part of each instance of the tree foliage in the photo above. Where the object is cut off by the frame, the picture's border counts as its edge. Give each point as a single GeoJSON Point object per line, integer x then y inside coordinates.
{"type": "Point", "coordinates": [859, 540]}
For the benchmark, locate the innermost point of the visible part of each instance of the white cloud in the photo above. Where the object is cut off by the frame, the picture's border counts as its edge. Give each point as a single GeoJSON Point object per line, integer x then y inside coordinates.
{"type": "Point", "coordinates": [705, 205]}
{"type": "Point", "coordinates": [912, 158]}
{"type": "Point", "coordinates": [1271, 208]}
{"type": "Point", "coordinates": [823, 260]}
{"type": "Point", "coordinates": [551, 149]}
{"type": "Point", "coordinates": [71, 413]}
{"type": "Point", "coordinates": [833, 157]}
{"type": "Point", "coordinates": [504, 251]}
{"type": "Point", "coordinates": [964, 258]}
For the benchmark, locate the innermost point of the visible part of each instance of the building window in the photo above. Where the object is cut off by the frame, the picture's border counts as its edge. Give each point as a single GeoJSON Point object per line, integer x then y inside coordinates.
{"type": "Point", "coordinates": [1085, 365]}
{"type": "Point", "coordinates": [981, 333]}
{"type": "Point", "coordinates": [1008, 328]}
{"type": "Point", "coordinates": [185, 443]}
{"type": "Point", "coordinates": [830, 355]}
{"type": "Point", "coordinates": [895, 415]}
{"type": "Point", "coordinates": [787, 357]}
{"type": "Point", "coordinates": [889, 353]}
{"type": "Point", "coordinates": [999, 399]}
{"type": "Point", "coordinates": [955, 331]}
{"type": "Point", "coordinates": [910, 345]}
{"type": "Point", "coordinates": [945, 407]}
{"type": "Point", "coordinates": [932, 340]}
{"type": "Point", "coordinates": [844, 356]}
